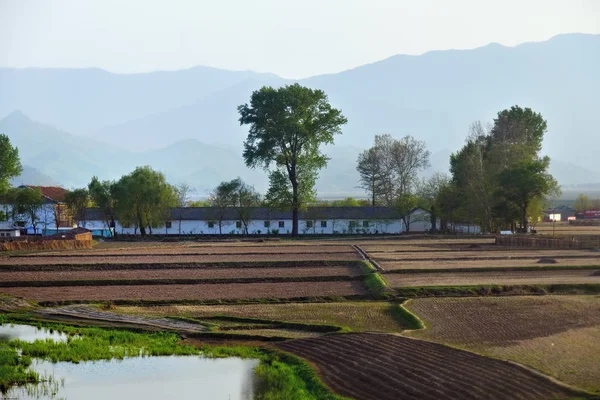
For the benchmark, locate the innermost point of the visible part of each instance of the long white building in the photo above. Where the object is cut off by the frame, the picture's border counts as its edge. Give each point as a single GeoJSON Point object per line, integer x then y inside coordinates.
{"type": "Point", "coordinates": [262, 221]}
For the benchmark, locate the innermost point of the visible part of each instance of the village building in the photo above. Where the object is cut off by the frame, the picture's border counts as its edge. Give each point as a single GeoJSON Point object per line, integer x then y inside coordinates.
{"type": "Point", "coordinates": [264, 221]}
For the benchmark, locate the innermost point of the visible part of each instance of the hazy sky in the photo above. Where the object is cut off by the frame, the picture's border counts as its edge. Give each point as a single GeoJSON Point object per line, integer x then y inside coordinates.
{"type": "Point", "coordinates": [290, 38]}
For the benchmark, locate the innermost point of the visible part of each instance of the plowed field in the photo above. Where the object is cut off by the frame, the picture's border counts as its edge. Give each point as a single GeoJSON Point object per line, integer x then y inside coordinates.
{"type": "Point", "coordinates": [483, 255]}
{"type": "Point", "coordinates": [536, 262]}
{"type": "Point", "coordinates": [382, 366]}
{"type": "Point", "coordinates": [542, 277]}
{"type": "Point", "coordinates": [167, 259]}
{"type": "Point", "coordinates": [176, 292]}
{"type": "Point", "coordinates": [177, 273]}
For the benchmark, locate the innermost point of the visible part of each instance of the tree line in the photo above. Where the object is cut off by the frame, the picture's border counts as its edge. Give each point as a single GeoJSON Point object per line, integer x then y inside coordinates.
{"type": "Point", "coordinates": [498, 178]}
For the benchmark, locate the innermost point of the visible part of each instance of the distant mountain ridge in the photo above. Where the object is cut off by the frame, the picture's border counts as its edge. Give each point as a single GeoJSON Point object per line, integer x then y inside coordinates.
{"type": "Point", "coordinates": [186, 124]}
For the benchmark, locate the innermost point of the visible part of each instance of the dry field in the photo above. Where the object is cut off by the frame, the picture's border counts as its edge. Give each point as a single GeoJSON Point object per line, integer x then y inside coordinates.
{"type": "Point", "coordinates": [564, 229]}
{"type": "Point", "coordinates": [559, 335]}
{"type": "Point", "coordinates": [178, 273]}
{"type": "Point", "coordinates": [190, 292]}
{"type": "Point", "coordinates": [357, 316]}
{"type": "Point", "coordinates": [540, 277]}
{"type": "Point", "coordinates": [535, 262]}
{"type": "Point", "coordinates": [383, 366]}
{"type": "Point", "coordinates": [523, 254]}
{"type": "Point", "coordinates": [170, 259]}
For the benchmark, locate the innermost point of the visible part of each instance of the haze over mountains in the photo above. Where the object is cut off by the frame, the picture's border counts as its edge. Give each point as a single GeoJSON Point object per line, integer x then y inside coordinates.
{"type": "Point", "coordinates": [70, 124]}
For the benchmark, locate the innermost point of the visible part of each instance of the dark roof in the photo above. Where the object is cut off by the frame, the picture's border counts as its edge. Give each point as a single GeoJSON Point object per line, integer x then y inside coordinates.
{"type": "Point", "coordinates": [266, 214]}
{"type": "Point", "coordinates": [53, 193]}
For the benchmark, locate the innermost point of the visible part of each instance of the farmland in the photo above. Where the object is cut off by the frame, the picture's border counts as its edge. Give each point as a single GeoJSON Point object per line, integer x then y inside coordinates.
{"type": "Point", "coordinates": [323, 300]}
{"type": "Point", "coordinates": [559, 335]}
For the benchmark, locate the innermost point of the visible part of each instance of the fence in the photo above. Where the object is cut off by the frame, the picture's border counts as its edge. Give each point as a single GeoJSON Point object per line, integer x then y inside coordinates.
{"type": "Point", "coordinates": [544, 242]}
{"type": "Point", "coordinates": [17, 245]}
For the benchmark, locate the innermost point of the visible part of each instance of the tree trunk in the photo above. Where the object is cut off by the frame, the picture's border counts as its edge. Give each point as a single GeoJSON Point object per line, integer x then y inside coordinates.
{"type": "Point", "coordinates": [142, 230]}
{"type": "Point", "coordinates": [524, 218]}
{"type": "Point", "coordinates": [295, 207]}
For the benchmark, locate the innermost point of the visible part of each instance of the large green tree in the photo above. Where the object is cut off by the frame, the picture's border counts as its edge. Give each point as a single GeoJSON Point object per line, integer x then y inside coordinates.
{"type": "Point", "coordinates": [525, 182]}
{"type": "Point", "coordinates": [144, 198]}
{"type": "Point", "coordinates": [10, 166]}
{"type": "Point", "coordinates": [78, 201]}
{"type": "Point", "coordinates": [288, 125]}
{"type": "Point", "coordinates": [25, 204]}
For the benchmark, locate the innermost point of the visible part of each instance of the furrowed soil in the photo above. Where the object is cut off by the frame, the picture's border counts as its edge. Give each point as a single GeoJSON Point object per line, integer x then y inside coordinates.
{"type": "Point", "coordinates": [174, 273]}
{"type": "Point", "coordinates": [383, 366]}
{"type": "Point", "coordinates": [484, 255]}
{"type": "Point", "coordinates": [375, 316]}
{"type": "Point", "coordinates": [177, 292]}
{"type": "Point", "coordinates": [536, 262]}
{"type": "Point", "coordinates": [559, 335]}
{"type": "Point", "coordinates": [540, 277]}
{"type": "Point", "coordinates": [205, 250]}
{"type": "Point", "coordinates": [169, 259]}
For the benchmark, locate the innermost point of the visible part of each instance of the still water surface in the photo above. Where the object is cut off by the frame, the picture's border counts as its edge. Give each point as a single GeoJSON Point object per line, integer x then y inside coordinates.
{"type": "Point", "coordinates": [172, 377]}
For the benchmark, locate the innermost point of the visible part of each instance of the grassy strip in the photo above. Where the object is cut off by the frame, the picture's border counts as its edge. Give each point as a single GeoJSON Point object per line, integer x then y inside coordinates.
{"type": "Point", "coordinates": [276, 324]}
{"type": "Point", "coordinates": [377, 286]}
{"type": "Point", "coordinates": [162, 265]}
{"type": "Point", "coordinates": [492, 269]}
{"type": "Point", "coordinates": [497, 290]}
{"type": "Point", "coordinates": [367, 268]}
{"type": "Point", "coordinates": [404, 317]}
{"type": "Point", "coordinates": [183, 281]}
{"type": "Point", "coordinates": [281, 375]}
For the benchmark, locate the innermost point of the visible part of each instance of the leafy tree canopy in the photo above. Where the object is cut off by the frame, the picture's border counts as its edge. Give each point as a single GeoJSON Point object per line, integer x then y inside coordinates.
{"type": "Point", "coordinates": [10, 165]}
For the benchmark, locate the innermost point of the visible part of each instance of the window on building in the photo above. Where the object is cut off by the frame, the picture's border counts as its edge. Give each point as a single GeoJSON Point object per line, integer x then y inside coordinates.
{"type": "Point", "coordinates": [366, 224]}
{"type": "Point", "coordinates": [281, 224]}
{"type": "Point", "coordinates": [1, 233]}
{"type": "Point", "coordinates": [168, 225]}
{"type": "Point", "coordinates": [238, 224]}
{"type": "Point", "coordinates": [352, 224]}
{"type": "Point", "coordinates": [267, 224]}
{"type": "Point", "coordinates": [323, 224]}
{"type": "Point", "coordinates": [211, 224]}
{"type": "Point", "coordinates": [309, 224]}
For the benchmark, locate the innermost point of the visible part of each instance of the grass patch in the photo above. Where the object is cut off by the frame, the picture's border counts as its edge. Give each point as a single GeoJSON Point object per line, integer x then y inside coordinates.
{"type": "Point", "coordinates": [281, 375]}
{"type": "Point", "coordinates": [404, 317]}
{"type": "Point", "coordinates": [377, 286]}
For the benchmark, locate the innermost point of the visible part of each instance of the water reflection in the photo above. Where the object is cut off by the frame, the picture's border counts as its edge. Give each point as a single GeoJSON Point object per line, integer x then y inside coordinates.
{"type": "Point", "coordinates": [29, 333]}
{"type": "Point", "coordinates": [176, 377]}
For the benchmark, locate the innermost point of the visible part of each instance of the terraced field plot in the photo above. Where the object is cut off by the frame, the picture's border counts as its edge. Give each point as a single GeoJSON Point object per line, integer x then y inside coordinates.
{"type": "Point", "coordinates": [540, 277]}
{"type": "Point", "coordinates": [178, 292]}
{"type": "Point", "coordinates": [358, 316]}
{"type": "Point", "coordinates": [383, 366]}
{"type": "Point", "coordinates": [178, 273]}
{"type": "Point", "coordinates": [456, 264]}
{"type": "Point", "coordinates": [559, 335]}
{"type": "Point", "coordinates": [483, 255]}
{"type": "Point", "coordinates": [169, 259]}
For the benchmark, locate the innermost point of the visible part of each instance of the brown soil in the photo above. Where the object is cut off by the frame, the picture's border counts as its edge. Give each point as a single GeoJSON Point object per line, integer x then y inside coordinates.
{"type": "Point", "coordinates": [543, 277]}
{"type": "Point", "coordinates": [168, 259]}
{"type": "Point", "coordinates": [382, 367]}
{"type": "Point", "coordinates": [534, 262]}
{"type": "Point", "coordinates": [179, 292]}
{"type": "Point", "coordinates": [503, 320]}
{"type": "Point", "coordinates": [482, 255]}
{"type": "Point", "coordinates": [175, 273]}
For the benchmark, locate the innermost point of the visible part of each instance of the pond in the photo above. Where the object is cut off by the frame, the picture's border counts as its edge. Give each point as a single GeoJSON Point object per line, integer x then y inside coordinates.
{"type": "Point", "coordinates": [29, 333]}
{"type": "Point", "coordinates": [177, 377]}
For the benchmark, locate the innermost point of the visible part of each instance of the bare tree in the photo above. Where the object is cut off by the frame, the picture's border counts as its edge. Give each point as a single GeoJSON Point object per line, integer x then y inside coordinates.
{"type": "Point", "coordinates": [221, 199]}
{"type": "Point", "coordinates": [409, 157]}
{"type": "Point", "coordinates": [244, 199]}
{"type": "Point", "coordinates": [370, 169]}
{"type": "Point", "coordinates": [182, 190]}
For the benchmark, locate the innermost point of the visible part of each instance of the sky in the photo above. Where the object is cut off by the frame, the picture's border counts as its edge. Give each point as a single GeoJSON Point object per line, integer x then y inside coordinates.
{"type": "Point", "coordinates": [293, 39]}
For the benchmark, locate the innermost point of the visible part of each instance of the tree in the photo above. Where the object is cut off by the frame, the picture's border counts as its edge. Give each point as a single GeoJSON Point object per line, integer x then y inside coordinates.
{"type": "Point", "coordinates": [370, 169]}
{"type": "Point", "coordinates": [409, 157]}
{"type": "Point", "coordinates": [429, 191]}
{"type": "Point", "coordinates": [78, 201]}
{"type": "Point", "coordinates": [523, 183]}
{"type": "Point", "coordinates": [182, 199]}
{"type": "Point", "coordinates": [27, 202]}
{"type": "Point", "coordinates": [244, 199]}
{"type": "Point", "coordinates": [406, 204]}
{"type": "Point", "coordinates": [582, 203]}
{"type": "Point", "coordinates": [221, 199]}
{"type": "Point", "coordinates": [595, 204]}
{"type": "Point", "coordinates": [144, 198]}
{"type": "Point", "coordinates": [102, 195]}
{"type": "Point", "coordinates": [287, 127]}
{"type": "Point", "coordinates": [10, 166]}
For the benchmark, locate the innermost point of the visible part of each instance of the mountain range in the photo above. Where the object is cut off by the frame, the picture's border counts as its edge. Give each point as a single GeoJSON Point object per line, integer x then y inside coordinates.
{"type": "Point", "coordinates": [70, 124]}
